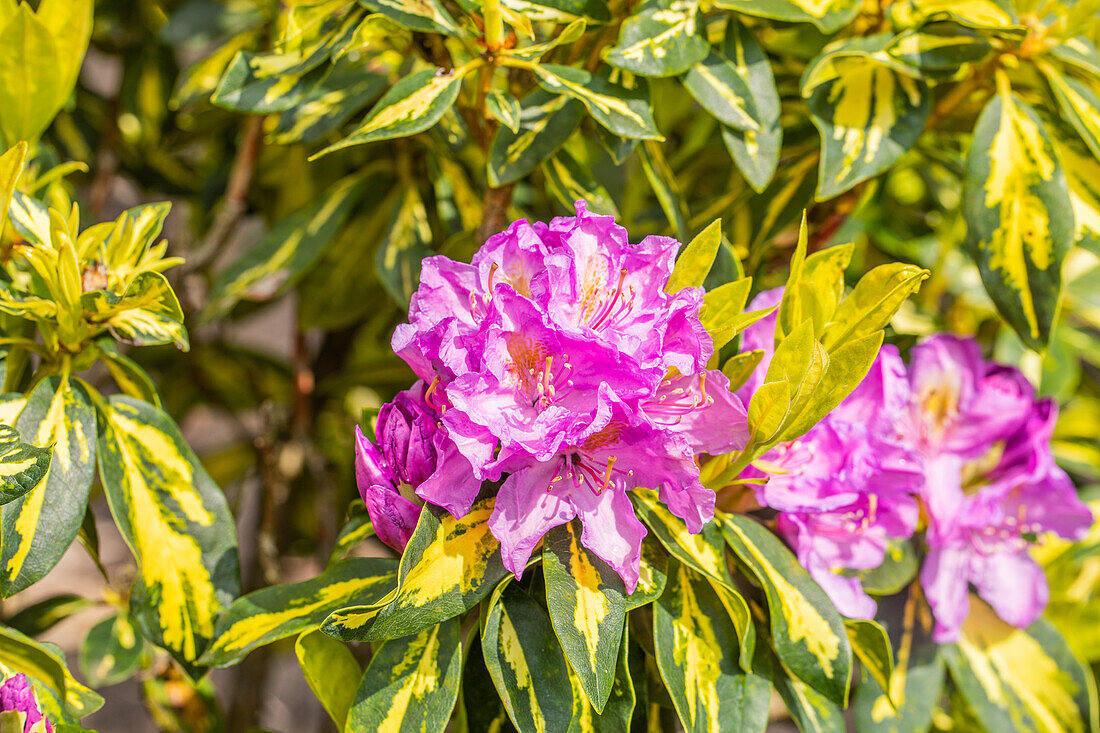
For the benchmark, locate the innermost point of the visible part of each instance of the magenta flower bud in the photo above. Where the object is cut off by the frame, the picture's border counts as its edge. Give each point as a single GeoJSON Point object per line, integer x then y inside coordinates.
{"type": "Point", "coordinates": [415, 460]}
{"type": "Point", "coordinates": [17, 694]}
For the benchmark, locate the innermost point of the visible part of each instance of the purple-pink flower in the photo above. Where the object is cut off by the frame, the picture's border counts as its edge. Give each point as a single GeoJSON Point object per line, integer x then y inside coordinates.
{"type": "Point", "coordinates": [17, 694]}
{"type": "Point", "coordinates": [990, 485]}
{"type": "Point", "coordinates": [562, 368]}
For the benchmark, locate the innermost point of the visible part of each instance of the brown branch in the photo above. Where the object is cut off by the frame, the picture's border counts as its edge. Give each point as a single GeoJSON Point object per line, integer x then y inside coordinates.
{"type": "Point", "coordinates": [495, 214]}
{"type": "Point", "coordinates": [961, 91]}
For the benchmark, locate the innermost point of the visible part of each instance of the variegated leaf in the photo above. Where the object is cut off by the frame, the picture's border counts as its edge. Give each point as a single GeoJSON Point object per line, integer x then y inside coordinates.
{"type": "Point", "coordinates": [809, 709]}
{"type": "Point", "coordinates": [652, 575]}
{"type": "Point", "coordinates": [176, 522]}
{"type": "Point", "coordinates": [718, 85]}
{"type": "Point", "coordinates": [828, 15]}
{"type": "Point", "coordinates": [868, 108]}
{"type": "Point", "coordinates": [63, 699]}
{"type": "Point", "coordinates": [545, 122]}
{"type": "Point", "coordinates": [661, 39]}
{"type": "Point", "coordinates": [561, 11]}
{"type": "Point", "coordinates": [39, 527]}
{"type": "Point", "coordinates": [112, 650]}
{"type": "Point", "coordinates": [1019, 214]}
{"type": "Point", "coordinates": [585, 598]}
{"type": "Point", "coordinates": [23, 467]}
{"type": "Point", "coordinates": [411, 684]}
{"type": "Point", "coordinates": [408, 241]}
{"type": "Point", "coordinates": [695, 645]}
{"type": "Point", "coordinates": [627, 112]}
{"type": "Point", "coordinates": [989, 15]}
{"type": "Point", "coordinates": [569, 34]}
{"type": "Point", "coordinates": [704, 552]}
{"type": "Point", "coordinates": [273, 613]}
{"type": "Point", "coordinates": [427, 16]}
{"type": "Point", "coordinates": [1080, 106]}
{"type": "Point", "coordinates": [411, 106]}
{"type": "Point", "coordinates": [243, 89]}
{"type": "Point", "coordinates": [504, 108]}
{"type": "Point", "coordinates": [1080, 52]}
{"type": "Point", "coordinates": [447, 567]}
{"type": "Point", "coordinates": [344, 91]}
{"type": "Point", "coordinates": [286, 252]}
{"type": "Point", "coordinates": [1082, 171]}
{"type": "Point", "coordinates": [146, 313]}
{"type": "Point", "coordinates": [807, 631]}
{"type": "Point", "coordinates": [619, 710]}
{"type": "Point", "coordinates": [526, 663]}
{"type": "Point", "coordinates": [755, 151]}
{"type": "Point", "coordinates": [569, 181]}
{"type": "Point", "coordinates": [871, 646]}
{"type": "Point", "coordinates": [939, 47]}
{"type": "Point", "coordinates": [1021, 679]}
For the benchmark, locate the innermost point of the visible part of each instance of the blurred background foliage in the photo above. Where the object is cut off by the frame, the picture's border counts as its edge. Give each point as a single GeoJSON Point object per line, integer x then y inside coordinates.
{"type": "Point", "coordinates": [298, 264]}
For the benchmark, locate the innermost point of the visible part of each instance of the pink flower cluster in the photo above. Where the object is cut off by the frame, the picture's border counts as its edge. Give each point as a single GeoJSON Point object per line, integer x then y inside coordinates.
{"type": "Point", "coordinates": [965, 440]}
{"type": "Point", "coordinates": [557, 365]}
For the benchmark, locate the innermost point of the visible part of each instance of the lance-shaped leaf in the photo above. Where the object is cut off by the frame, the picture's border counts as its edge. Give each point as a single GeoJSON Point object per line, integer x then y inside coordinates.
{"type": "Point", "coordinates": [1021, 679]}
{"type": "Point", "coordinates": [569, 34]}
{"type": "Point", "coordinates": [663, 182]}
{"type": "Point", "coordinates": [652, 575]}
{"type": "Point", "coordinates": [1018, 214]}
{"type": "Point", "coordinates": [479, 701]}
{"type": "Point", "coordinates": [661, 39]}
{"type": "Point", "coordinates": [704, 552]}
{"type": "Point", "coordinates": [617, 713]}
{"type": "Point", "coordinates": [1080, 106]}
{"type": "Point", "coordinates": [545, 122]}
{"type": "Point", "coordinates": [176, 522]}
{"type": "Point", "coordinates": [695, 644]}
{"type": "Point", "coordinates": [627, 112]}
{"type": "Point", "coordinates": [1082, 171]}
{"type": "Point", "coordinates": [411, 684]}
{"type": "Point", "coordinates": [526, 663]}
{"type": "Point", "coordinates": [871, 646]}
{"type": "Point", "coordinates": [828, 15]}
{"type": "Point", "coordinates": [694, 263]}
{"type": "Point", "coordinates": [331, 671]}
{"type": "Point", "coordinates": [585, 597]}
{"type": "Point", "coordinates": [569, 181]}
{"type": "Point", "coordinates": [989, 15]}
{"type": "Point", "coordinates": [111, 652]}
{"type": "Point", "coordinates": [273, 613]}
{"type": "Point", "coordinates": [38, 527]}
{"type": "Point", "coordinates": [755, 151]}
{"type": "Point", "coordinates": [809, 709]}
{"type": "Point", "coordinates": [31, 77]}
{"type": "Point", "coordinates": [719, 87]}
{"type": "Point", "coordinates": [345, 90]}
{"type": "Point", "coordinates": [504, 108]}
{"type": "Point", "coordinates": [408, 241]}
{"type": "Point", "coordinates": [869, 108]}
{"type": "Point", "coordinates": [243, 89]}
{"type": "Point", "coordinates": [147, 313]}
{"type": "Point", "coordinates": [939, 47]}
{"type": "Point", "coordinates": [411, 106]}
{"type": "Point", "coordinates": [561, 11]}
{"type": "Point", "coordinates": [447, 567]}
{"type": "Point", "coordinates": [286, 252]}
{"type": "Point", "coordinates": [427, 16]}
{"type": "Point", "coordinates": [23, 467]}
{"type": "Point", "coordinates": [1079, 51]}
{"type": "Point", "coordinates": [807, 631]}
{"type": "Point", "coordinates": [11, 167]}
{"type": "Point", "coordinates": [873, 302]}
{"type": "Point", "coordinates": [63, 699]}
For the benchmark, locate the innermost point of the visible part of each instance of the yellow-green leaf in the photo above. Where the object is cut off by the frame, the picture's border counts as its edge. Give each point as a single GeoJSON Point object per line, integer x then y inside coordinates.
{"type": "Point", "coordinates": [807, 631]}
{"type": "Point", "coordinates": [585, 597]}
{"type": "Point", "coordinates": [39, 526]}
{"type": "Point", "coordinates": [871, 646]}
{"type": "Point", "coordinates": [1018, 213]}
{"type": "Point", "coordinates": [695, 261]}
{"type": "Point", "coordinates": [331, 671]}
{"type": "Point", "coordinates": [31, 76]}
{"type": "Point", "coordinates": [872, 303]}
{"type": "Point", "coordinates": [23, 467]}
{"type": "Point", "coordinates": [704, 552]}
{"type": "Point", "coordinates": [411, 684]}
{"type": "Point", "coordinates": [11, 167]}
{"type": "Point", "coordinates": [526, 663]}
{"type": "Point", "coordinates": [176, 522]}
{"type": "Point", "coordinates": [273, 613]}
{"type": "Point", "coordinates": [447, 567]}
{"type": "Point", "coordinates": [695, 644]}
{"type": "Point", "coordinates": [627, 112]}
